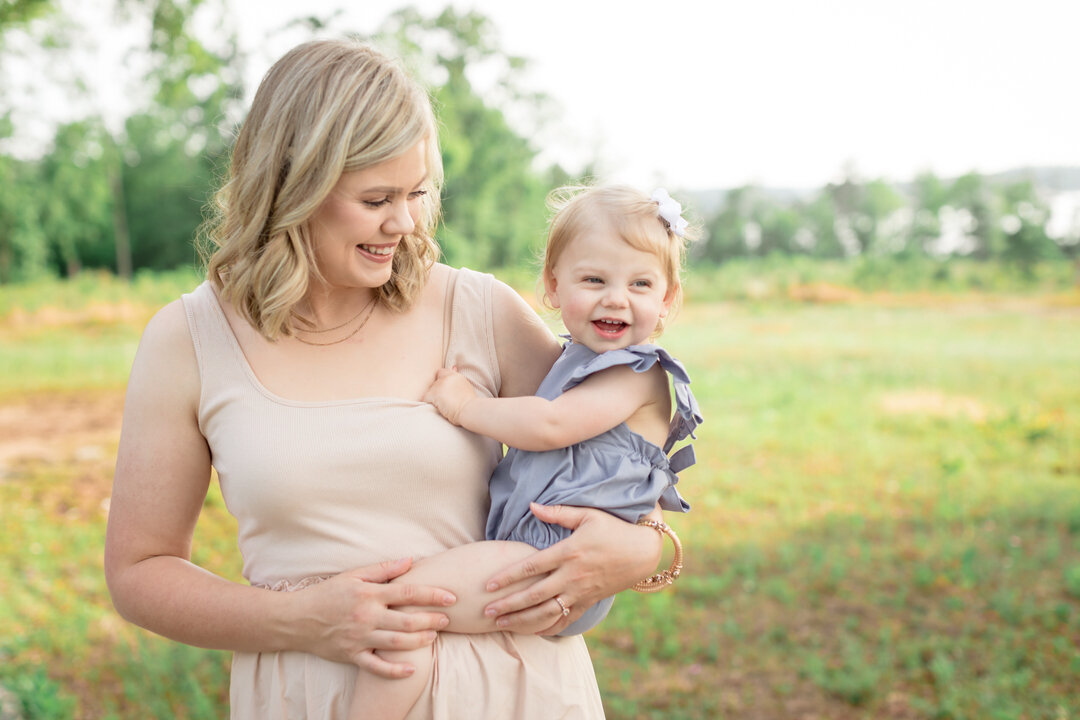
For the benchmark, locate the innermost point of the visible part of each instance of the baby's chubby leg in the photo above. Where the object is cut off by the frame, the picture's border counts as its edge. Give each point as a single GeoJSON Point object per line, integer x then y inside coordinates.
{"type": "Point", "coordinates": [379, 698]}
{"type": "Point", "coordinates": [464, 571]}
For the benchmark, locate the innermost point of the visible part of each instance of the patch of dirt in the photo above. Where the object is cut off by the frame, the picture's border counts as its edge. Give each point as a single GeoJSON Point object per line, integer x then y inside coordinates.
{"type": "Point", "coordinates": [933, 403]}
{"type": "Point", "coordinates": [94, 313]}
{"type": "Point", "coordinates": [54, 428]}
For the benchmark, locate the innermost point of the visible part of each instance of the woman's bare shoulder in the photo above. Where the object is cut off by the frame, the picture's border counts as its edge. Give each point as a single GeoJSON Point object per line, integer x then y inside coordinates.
{"type": "Point", "coordinates": [526, 348]}
{"type": "Point", "coordinates": [166, 355]}
{"type": "Point", "coordinates": [168, 328]}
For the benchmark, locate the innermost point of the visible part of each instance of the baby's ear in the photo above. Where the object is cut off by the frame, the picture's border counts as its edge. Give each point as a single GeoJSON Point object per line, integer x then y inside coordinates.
{"type": "Point", "coordinates": [551, 289]}
{"type": "Point", "coordinates": [669, 298]}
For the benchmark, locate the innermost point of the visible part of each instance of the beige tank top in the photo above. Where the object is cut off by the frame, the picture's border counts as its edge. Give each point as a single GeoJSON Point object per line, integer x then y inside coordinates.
{"type": "Point", "coordinates": [318, 488]}
{"type": "Point", "coordinates": [321, 487]}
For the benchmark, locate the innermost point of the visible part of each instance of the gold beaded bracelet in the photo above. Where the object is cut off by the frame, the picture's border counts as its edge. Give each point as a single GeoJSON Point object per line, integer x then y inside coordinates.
{"type": "Point", "coordinates": [662, 579]}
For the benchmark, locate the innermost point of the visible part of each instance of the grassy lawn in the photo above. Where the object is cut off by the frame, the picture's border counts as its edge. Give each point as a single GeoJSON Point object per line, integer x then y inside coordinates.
{"type": "Point", "coordinates": [885, 523]}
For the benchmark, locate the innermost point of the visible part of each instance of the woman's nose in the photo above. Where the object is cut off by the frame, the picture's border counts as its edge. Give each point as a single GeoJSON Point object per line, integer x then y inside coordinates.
{"type": "Point", "coordinates": [401, 220]}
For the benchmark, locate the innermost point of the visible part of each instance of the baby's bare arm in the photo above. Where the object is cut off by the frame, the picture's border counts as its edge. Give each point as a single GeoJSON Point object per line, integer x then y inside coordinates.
{"type": "Point", "coordinates": [464, 571]}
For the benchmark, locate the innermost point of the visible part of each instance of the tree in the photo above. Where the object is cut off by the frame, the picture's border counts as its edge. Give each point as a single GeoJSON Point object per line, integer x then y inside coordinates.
{"type": "Point", "coordinates": [76, 210]}
{"type": "Point", "coordinates": [971, 193]}
{"type": "Point", "coordinates": [726, 230]}
{"type": "Point", "coordinates": [493, 200]}
{"type": "Point", "coordinates": [19, 13]}
{"type": "Point", "coordinates": [23, 253]}
{"type": "Point", "coordinates": [1024, 225]}
{"type": "Point", "coordinates": [929, 195]}
{"type": "Point", "coordinates": [132, 196]}
{"type": "Point", "coordinates": [819, 219]}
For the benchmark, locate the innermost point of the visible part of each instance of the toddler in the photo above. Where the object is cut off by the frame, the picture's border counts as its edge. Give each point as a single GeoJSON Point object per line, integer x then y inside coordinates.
{"type": "Point", "coordinates": [597, 432]}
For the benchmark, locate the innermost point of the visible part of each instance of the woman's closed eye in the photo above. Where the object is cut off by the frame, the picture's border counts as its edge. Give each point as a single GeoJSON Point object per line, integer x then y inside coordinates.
{"type": "Point", "coordinates": [380, 202]}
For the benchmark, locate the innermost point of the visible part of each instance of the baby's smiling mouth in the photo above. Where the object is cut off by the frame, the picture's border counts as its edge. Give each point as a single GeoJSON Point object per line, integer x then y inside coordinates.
{"type": "Point", "coordinates": [609, 327]}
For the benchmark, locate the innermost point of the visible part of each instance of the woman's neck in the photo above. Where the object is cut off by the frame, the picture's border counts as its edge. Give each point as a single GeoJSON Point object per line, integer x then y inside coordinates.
{"type": "Point", "coordinates": [325, 307]}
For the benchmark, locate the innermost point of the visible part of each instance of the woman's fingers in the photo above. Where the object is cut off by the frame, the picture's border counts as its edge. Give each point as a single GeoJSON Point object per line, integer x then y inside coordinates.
{"type": "Point", "coordinates": [401, 594]}
{"type": "Point", "coordinates": [384, 571]}
{"type": "Point", "coordinates": [524, 607]}
{"type": "Point", "coordinates": [568, 516]}
{"type": "Point", "coordinates": [544, 561]}
{"type": "Point", "coordinates": [413, 622]}
{"type": "Point", "coordinates": [390, 640]}
{"type": "Point", "coordinates": [398, 594]}
{"type": "Point", "coordinates": [371, 662]}
{"type": "Point", "coordinates": [547, 616]}
{"type": "Point", "coordinates": [538, 563]}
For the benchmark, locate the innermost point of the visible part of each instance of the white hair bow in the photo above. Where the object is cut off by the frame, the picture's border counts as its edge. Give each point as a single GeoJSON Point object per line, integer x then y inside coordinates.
{"type": "Point", "coordinates": [670, 210]}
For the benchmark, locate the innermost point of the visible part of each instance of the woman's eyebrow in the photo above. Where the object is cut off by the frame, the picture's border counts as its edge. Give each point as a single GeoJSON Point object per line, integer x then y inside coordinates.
{"type": "Point", "coordinates": [390, 189]}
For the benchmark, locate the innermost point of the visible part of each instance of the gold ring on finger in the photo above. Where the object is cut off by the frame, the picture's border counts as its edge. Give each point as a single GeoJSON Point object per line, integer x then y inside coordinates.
{"type": "Point", "coordinates": [565, 608]}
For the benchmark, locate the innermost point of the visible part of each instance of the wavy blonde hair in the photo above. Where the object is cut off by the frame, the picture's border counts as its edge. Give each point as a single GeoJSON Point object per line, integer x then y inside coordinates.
{"type": "Point", "coordinates": [325, 108]}
{"type": "Point", "coordinates": [636, 219]}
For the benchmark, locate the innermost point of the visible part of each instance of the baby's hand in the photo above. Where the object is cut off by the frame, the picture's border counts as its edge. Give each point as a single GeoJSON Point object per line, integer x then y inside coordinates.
{"type": "Point", "coordinates": [450, 393]}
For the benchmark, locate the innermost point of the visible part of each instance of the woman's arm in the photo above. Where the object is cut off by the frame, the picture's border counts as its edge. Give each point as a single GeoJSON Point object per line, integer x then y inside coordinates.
{"type": "Point", "coordinates": [604, 555]}
{"type": "Point", "coordinates": [162, 474]}
{"type": "Point", "coordinates": [525, 348]}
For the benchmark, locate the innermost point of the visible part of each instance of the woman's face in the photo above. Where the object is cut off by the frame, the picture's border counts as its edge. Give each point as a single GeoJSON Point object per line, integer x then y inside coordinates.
{"type": "Point", "coordinates": [359, 225]}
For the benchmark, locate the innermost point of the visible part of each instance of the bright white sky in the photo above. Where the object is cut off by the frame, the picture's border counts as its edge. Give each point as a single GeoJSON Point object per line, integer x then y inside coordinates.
{"type": "Point", "coordinates": [715, 93]}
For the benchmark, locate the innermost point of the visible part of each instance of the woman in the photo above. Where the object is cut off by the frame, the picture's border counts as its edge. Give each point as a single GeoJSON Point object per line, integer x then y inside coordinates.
{"type": "Point", "coordinates": [297, 371]}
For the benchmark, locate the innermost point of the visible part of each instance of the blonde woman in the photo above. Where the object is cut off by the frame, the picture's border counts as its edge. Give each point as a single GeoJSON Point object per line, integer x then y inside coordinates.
{"type": "Point", "coordinates": [297, 370]}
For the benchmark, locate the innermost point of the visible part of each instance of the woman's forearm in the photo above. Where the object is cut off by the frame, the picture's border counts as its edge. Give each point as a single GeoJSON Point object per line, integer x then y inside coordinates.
{"type": "Point", "coordinates": [181, 601]}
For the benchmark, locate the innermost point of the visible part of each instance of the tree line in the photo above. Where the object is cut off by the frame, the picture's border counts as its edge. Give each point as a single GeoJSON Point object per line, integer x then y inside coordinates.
{"type": "Point", "coordinates": [1006, 218]}
{"type": "Point", "coordinates": [133, 197]}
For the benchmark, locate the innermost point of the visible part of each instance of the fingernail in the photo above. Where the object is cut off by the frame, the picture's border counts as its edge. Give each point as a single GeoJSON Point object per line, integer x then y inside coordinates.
{"type": "Point", "coordinates": [502, 623]}
{"type": "Point", "coordinates": [490, 612]}
{"type": "Point", "coordinates": [448, 599]}
{"type": "Point", "coordinates": [492, 586]}
{"type": "Point", "coordinates": [431, 635]}
{"type": "Point", "coordinates": [444, 622]}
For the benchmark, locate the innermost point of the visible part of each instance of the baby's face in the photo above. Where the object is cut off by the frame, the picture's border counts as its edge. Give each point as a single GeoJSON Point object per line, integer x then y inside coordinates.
{"type": "Point", "coordinates": [611, 295]}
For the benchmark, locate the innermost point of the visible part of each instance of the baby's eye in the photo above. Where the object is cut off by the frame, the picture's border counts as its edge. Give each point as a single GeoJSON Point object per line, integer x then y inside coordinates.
{"type": "Point", "coordinates": [642, 284]}
{"type": "Point", "coordinates": [594, 280]}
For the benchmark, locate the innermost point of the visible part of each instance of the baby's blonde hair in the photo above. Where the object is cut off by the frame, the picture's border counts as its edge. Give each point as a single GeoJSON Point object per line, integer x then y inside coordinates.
{"type": "Point", "coordinates": [325, 108]}
{"type": "Point", "coordinates": [632, 215]}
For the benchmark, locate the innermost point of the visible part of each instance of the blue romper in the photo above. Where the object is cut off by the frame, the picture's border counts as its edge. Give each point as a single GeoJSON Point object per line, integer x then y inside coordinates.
{"type": "Point", "coordinates": [617, 471]}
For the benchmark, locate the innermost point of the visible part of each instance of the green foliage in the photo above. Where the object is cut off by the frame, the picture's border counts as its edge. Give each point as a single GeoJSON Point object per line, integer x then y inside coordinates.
{"type": "Point", "coordinates": [15, 13]}
{"type": "Point", "coordinates": [23, 248]}
{"type": "Point", "coordinates": [98, 200]}
{"type": "Point", "coordinates": [493, 200]}
{"type": "Point", "coordinates": [971, 217]}
{"type": "Point", "coordinates": [77, 210]}
{"type": "Point", "coordinates": [41, 697]}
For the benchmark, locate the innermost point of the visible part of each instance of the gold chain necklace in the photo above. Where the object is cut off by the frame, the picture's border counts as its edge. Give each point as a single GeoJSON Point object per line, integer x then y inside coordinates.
{"type": "Point", "coordinates": [369, 308]}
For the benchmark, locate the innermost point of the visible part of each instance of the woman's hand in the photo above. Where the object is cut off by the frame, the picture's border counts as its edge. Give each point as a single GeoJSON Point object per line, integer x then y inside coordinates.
{"type": "Point", "coordinates": [604, 555]}
{"type": "Point", "coordinates": [349, 616]}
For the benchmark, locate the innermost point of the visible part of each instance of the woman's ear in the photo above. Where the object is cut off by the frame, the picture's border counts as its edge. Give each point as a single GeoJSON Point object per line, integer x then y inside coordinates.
{"type": "Point", "coordinates": [551, 292]}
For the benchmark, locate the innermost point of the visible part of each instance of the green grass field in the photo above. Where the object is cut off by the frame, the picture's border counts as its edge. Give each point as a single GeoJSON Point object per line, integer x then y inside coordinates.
{"type": "Point", "coordinates": [885, 523]}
